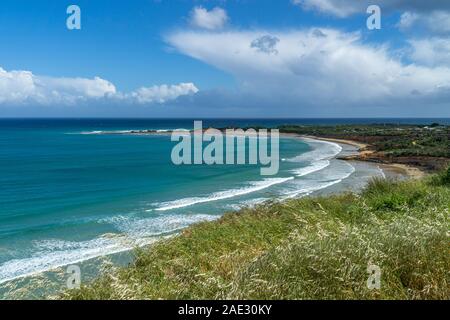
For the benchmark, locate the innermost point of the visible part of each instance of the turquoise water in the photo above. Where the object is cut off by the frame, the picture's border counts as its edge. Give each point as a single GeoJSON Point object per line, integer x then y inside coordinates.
{"type": "Point", "coordinates": [68, 194]}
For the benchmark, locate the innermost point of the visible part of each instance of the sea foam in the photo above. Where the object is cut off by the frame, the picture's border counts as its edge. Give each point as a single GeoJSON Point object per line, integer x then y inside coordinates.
{"type": "Point", "coordinates": [254, 186]}
{"type": "Point", "coordinates": [317, 166]}
{"type": "Point", "coordinates": [313, 186]}
{"type": "Point", "coordinates": [322, 150]}
{"type": "Point", "coordinates": [53, 254]}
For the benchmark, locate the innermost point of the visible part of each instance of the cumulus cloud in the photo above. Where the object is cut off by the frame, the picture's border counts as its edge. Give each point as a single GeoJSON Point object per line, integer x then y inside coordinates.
{"type": "Point", "coordinates": [315, 67]}
{"type": "Point", "coordinates": [163, 93]}
{"type": "Point", "coordinates": [345, 8]}
{"type": "Point", "coordinates": [211, 20]}
{"type": "Point", "coordinates": [23, 87]}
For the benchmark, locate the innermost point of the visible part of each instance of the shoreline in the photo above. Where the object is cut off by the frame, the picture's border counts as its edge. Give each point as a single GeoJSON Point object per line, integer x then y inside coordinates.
{"type": "Point", "coordinates": [362, 156]}
{"type": "Point", "coordinates": [358, 146]}
{"type": "Point", "coordinates": [56, 268]}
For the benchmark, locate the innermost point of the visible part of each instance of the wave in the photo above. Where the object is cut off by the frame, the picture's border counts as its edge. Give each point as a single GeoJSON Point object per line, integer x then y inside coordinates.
{"type": "Point", "coordinates": [105, 132]}
{"type": "Point", "coordinates": [308, 190]}
{"type": "Point", "coordinates": [96, 132]}
{"type": "Point", "coordinates": [246, 204]}
{"type": "Point", "coordinates": [383, 175]}
{"type": "Point", "coordinates": [90, 132]}
{"type": "Point", "coordinates": [53, 254]}
{"type": "Point", "coordinates": [320, 165]}
{"type": "Point", "coordinates": [255, 186]}
{"type": "Point", "coordinates": [322, 150]}
{"type": "Point", "coordinates": [156, 226]}
{"type": "Point", "coordinates": [305, 191]}
{"type": "Point", "coordinates": [50, 259]}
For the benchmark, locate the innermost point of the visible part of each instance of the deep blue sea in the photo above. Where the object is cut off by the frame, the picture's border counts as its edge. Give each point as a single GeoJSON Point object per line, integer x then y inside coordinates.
{"type": "Point", "coordinates": [69, 194]}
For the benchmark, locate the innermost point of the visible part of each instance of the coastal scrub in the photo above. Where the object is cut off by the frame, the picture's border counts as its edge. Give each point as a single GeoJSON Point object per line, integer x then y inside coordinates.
{"type": "Point", "coordinates": [310, 248]}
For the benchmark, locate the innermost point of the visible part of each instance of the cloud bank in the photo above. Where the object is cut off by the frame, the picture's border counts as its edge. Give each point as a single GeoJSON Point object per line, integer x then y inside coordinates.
{"type": "Point", "coordinates": [24, 88]}
{"type": "Point", "coordinates": [345, 8]}
{"type": "Point", "coordinates": [163, 93]}
{"type": "Point", "coordinates": [312, 71]}
{"type": "Point", "coordinates": [316, 67]}
{"type": "Point", "coordinates": [431, 51]}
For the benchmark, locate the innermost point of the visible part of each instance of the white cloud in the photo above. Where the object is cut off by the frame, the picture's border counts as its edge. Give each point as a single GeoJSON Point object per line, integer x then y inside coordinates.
{"type": "Point", "coordinates": [431, 52]}
{"type": "Point", "coordinates": [339, 8]}
{"type": "Point", "coordinates": [163, 93]}
{"type": "Point", "coordinates": [23, 87]}
{"type": "Point", "coordinates": [432, 15]}
{"type": "Point", "coordinates": [211, 20]}
{"type": "Point", "coordinates": [345, 8]}
{"type": "Point", "coordinates": [407, 20]}
{"type": "Point", "coordinates": [313, 67]}
{"type": "Point", "coordinates": [436, 21]}
{"type": "Point", "coordinates": [16, 85]}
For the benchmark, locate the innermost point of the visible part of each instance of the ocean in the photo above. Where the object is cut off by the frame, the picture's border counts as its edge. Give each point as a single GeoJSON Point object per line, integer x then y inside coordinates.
{"type": "Point", "coordinates": [69, 194]}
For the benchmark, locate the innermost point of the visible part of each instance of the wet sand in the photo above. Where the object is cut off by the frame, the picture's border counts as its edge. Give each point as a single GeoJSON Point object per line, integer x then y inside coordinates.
{"type": "Point", "coordinates": [390, 169]}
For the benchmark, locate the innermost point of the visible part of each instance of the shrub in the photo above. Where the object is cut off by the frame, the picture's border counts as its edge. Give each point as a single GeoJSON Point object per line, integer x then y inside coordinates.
{"type": "Point", "coordinates": [442, 179]}
{"type": "Point", "coordinates": [446, 177]}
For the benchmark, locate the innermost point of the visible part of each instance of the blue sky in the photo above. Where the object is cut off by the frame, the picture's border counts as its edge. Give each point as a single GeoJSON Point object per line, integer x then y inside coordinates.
{"type": "Point", "coordinates": [203, 58]}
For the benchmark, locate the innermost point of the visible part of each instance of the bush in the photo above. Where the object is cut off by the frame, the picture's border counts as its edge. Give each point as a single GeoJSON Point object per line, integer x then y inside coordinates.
{"type": "Point", "coordinates": [442, 179]}
{"type": "Point", "coordinates": [385, 194]}
{"type": "Point", "coordinates": [446, 177]}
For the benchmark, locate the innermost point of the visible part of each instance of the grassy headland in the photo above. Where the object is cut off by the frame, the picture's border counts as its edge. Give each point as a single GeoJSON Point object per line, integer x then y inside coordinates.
{"type": "Point", "coordinates": [310, 248]}
{"type": "Point", "coordinates": [427, 147]}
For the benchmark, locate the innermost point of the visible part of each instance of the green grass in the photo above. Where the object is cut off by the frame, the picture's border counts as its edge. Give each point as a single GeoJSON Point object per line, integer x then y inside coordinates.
{"type": "Point", "coordinates": [393, 140]}
{"type": "Point", "coordinates": [312, 248]}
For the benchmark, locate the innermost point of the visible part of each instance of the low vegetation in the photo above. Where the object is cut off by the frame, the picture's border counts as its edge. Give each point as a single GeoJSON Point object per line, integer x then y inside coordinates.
{"type": "Point", "coordinates": [310, 248]}
{"type": "Point", "coordinates": [391, 139]}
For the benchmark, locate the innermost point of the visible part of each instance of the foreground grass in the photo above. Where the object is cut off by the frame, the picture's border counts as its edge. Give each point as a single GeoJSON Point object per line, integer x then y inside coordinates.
{"type": "Point", "coordinates": [312, 248]}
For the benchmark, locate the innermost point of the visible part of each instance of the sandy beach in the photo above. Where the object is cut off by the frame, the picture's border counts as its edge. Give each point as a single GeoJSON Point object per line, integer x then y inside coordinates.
{"type": "Point", "coordinates": [363, 152]}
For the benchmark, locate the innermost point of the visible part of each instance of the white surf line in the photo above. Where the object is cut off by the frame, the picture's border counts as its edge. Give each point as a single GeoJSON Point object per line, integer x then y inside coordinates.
{"type": "Point", "coordinates": [130, 131]}
{"type": "Point", "coordinates": [382, 172]}
{"type": "Point", "coordinates": [87, 250]}
{"type": "Point", "coordinates": [307, 191]}
{"type": "Point", "coordinates": [317, 154]}
{"type": "Point", "coordinates": [318, 166]}
{"type": "Point", "coordinates": [56, 266]}
{"type": "Point", "coordinates": [186, 202]}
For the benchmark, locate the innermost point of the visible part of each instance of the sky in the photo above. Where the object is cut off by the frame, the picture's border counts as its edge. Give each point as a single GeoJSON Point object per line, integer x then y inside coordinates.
{"type": "Point", "coordinates": [225, 58]}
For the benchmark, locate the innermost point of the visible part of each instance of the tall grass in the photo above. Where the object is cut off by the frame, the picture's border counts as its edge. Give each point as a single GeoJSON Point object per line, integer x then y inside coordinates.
{"type": "Point", "coordinates": [312, 248]}
{"type": "Point", "coordinates": [446, 177]}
